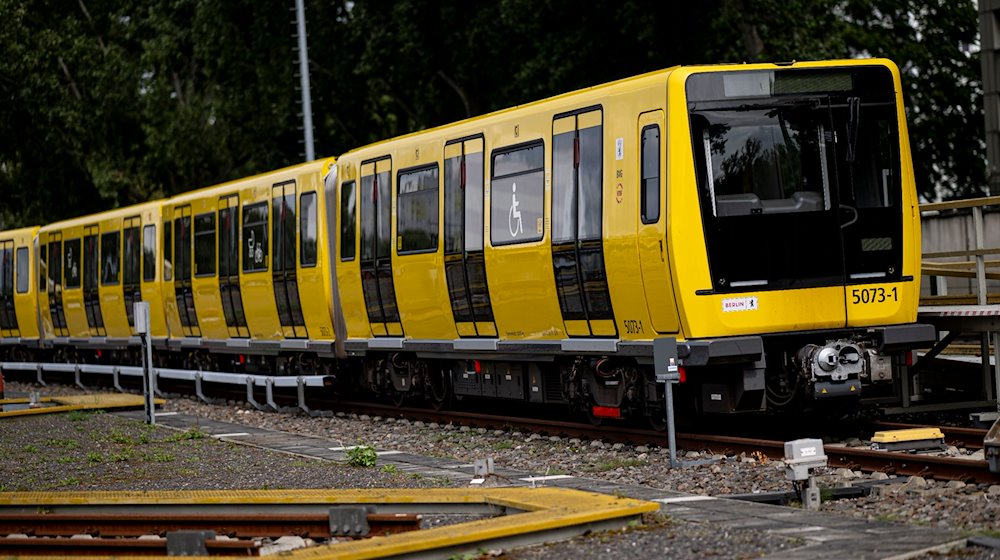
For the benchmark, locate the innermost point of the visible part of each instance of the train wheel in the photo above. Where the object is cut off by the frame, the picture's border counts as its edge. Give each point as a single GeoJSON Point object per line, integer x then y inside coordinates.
{"type": "Point", "coordinates": [658, 420]}
{"type": "Point", "coordinates": [440, 388]}
{"type": "Point", "coordinates": [397, 397]}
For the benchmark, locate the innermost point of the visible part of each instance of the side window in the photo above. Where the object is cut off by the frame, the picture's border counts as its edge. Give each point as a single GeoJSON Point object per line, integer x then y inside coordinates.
{"type": "Point", "coordinates": [228, 241]}
{"type": "Point", "coordinates": [204, 244]}
{"type": "Point", "coordinates": [255, 237]}
{"type": "Point", "coordinates": [182, 248]}
{"type": "Point", "coordinates": [517, 195]}
{"type": "Point", "coordinates": [307, 213]}
{"type": "Point", "coordinates": [348, 222]}
{"type": "Point", "coordinates": [168, 250]}
{"type": "Point", "coordinates": [130, 254]}
{"type": "Point", "coordinates": [110, 257]}
{"type": "Point", "coordinates": [72, 264]}
{"type": "Point", "coordinates": [417, 210]}
{"type": "Point", "coordinates": [43, 267]}
{"type": "Point", "coordinates": [21, 269]}
{"type": "Point", "coordinates": [149, 253]}
{"type": "Point", "coordinates": [650, 186]}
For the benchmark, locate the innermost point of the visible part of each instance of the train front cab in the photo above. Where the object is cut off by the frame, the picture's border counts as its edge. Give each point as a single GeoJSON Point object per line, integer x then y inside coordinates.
{"type": "Point", "coordinates": [18, 291]}
{"type": "Point", "coordinates": [798, 179]}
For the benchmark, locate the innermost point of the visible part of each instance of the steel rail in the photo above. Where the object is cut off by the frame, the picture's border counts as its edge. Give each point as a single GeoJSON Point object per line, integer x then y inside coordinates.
{"type": "Point", "coordinates": [20, 546]}
{"type": "Point", "coordinates": [857, 458]}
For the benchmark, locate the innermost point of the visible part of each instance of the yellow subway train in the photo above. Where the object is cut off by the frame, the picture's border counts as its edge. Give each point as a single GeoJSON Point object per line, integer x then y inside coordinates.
{"type": "Point", "coordinates": [762, 216]}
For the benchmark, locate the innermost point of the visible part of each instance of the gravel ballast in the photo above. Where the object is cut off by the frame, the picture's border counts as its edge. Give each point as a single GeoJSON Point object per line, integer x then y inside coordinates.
{"type": "Point", "coordinates": [111, 452]}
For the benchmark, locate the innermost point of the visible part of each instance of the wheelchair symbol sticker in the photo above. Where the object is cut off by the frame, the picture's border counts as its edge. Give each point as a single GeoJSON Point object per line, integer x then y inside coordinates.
{"type": "Point", "coordinates": [514, 223]}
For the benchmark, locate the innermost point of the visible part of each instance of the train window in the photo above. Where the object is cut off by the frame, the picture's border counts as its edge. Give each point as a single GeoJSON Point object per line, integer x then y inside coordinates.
{"type": "Point", "coordinates": [228, 240]}
{"type": "Point", "coordinates": [110, 257]}
{"type": "Point", "coordinates": [6, 273]}
{"type": "Point", "coordinates": [204, 244]}
{"type": "Point", "coordinates": [131, 262]}
{"type": "Point", "coordinates": [463, 203]}
{"type": "Point", "coordinates": [283, 227]}
{"type": "Point", "coordinates": [307, 208]}
{"type": "Point", "coordinates": [649, 190]}
{"type": "Point", "coordinates": [43, 266]}
{"type": "Point", "coordinates": [182, 246]}
{"type": "Point", "coordinates": [21, 270]}
{"type": "Point", "coordinates": [517, 195]}
{"type": "Point", "coordinates": [149, 253]}
{"type": "Point", "coordinates": [72, 262]}
{"type": "Point", "coordinates": [417, 210]}
{"type": "Point", "coordinates": [348, 221]}
{"type": "Point", "coordinates": [255, 237]}
{"type": "Point", "coordinates": [168, 251]}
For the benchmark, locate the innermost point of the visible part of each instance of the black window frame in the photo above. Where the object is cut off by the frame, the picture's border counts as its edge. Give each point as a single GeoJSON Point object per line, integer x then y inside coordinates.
{"type": "Point", "coordinates": [308, 245]}
{"type": "Point", "coordinates": [132, 260]}
{"type": "Point", "coordinates": [43, 267]}
{"type": "Point", "coordinates": [76, 243]}
{"type": "Point", "coordinates": [643, 198]}
{"type": "Point", "coordinates": [20, 274]}
{"type": "Point", "coordinates": [250, 227]}
{"type": "Point", "coordinates": [168, 251]}
{"type": "Point", "coordinates": [348, 220]}
{"type": "Point", "coordinates": [205, 249]}
{"type": "Point", "coordinates": [516, 172]}
{"type": "Point", "coordinates": [403, 199]}
{"type": "Point", "coordinates": [106, 265]}
{"type": "Point", "coordinates": [148, 253]}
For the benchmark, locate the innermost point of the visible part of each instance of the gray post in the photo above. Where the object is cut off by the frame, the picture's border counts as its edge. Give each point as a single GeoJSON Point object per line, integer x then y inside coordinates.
{"type": "Point", "coordinates": [141, 314]}
{"type": "Point", "coordinates": [666, 368]}
{"type": "Point", "coordinates": [307, 118]}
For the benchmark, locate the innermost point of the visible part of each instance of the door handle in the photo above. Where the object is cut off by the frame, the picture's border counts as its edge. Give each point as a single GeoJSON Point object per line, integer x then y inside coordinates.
{"type": "Point", "coordinates": [661, 250]}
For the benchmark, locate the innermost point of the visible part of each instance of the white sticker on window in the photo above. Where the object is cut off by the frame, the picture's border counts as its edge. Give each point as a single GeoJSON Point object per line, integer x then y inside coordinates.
{"type": "Point", "coordinates": [740, 304]}
{"type": "Point", "coordinates": [619, 148]}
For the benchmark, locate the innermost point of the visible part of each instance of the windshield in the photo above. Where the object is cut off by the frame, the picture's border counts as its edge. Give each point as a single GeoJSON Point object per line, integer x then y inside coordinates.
{"type": "Point", "coordinates": [765, 161]}
{"type": "Point", "coordinates": [799, 174]}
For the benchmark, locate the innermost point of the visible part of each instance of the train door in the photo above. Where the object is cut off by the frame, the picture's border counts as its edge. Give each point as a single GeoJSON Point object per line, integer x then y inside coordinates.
{"type": "Point", "coordinates": [652, 228]}
{"type": "Point", "coordinates": [183, 285]}
{"type": "Point", "coordinates": [91, 276]}
{"type": "Point", "coordinates": [229, 267]}
{"type": "Point", "coordinates": [284, 227]}
{"type": "Point", "coordinates": [577, 246]}
{"type": "Point", "coordinates": [131, 264]}
{"type": "Point", "coordinates": [8, 315]}
{"type": "Point", "coordinates": [25, 299]}
{"type": "Point", "coordinates": [54, 285]}
{"type": "Point", "coordinates": [376, 248]}
{"type": "Point", "coordinates": [464, 262]}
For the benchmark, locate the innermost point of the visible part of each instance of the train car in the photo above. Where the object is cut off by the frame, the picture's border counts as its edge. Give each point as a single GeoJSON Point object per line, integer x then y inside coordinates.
{"type": "Point", "coordinates": [92, 269]}
{"type": "Point", "coordinates": [763, 215]}
{"type": "Point", "coordinates": [18, 291]}
{"type": "Point", "coordinates": [245, 272]}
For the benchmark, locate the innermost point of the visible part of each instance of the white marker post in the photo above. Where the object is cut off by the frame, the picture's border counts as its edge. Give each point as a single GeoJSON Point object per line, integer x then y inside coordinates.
{"type": "Point", "coordinates": [141, 314]}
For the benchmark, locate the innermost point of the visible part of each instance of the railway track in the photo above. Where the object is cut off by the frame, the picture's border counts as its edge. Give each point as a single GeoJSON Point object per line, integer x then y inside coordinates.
{"type": "Point", "coordinates": [854, 458]}
{"type": "Point", "coordinates": [33, 534]}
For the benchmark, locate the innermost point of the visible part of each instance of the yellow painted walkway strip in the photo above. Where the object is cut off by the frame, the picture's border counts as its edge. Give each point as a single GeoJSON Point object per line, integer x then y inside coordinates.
{"type": "Point", "coordinates": [77, 402]}
{"type": "Point", "coordinates": [543, 509]}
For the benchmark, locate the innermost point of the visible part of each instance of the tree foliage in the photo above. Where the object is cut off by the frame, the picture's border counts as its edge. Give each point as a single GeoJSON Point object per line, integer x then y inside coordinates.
{"type": "Point", "coordinates": [106, 103]}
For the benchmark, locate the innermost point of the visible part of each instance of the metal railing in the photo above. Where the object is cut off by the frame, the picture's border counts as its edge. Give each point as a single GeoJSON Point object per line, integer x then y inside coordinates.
{"type": "Point", "coordinates": [976, 265]}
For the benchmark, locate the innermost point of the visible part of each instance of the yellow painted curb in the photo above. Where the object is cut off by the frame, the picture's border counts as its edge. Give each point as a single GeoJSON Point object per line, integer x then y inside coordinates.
{"type": "Point", "coordinates": [539, 510]}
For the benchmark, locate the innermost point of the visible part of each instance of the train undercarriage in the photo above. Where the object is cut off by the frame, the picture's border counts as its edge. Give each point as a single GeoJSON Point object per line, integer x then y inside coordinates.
{"type": "Point", "coordinates": [745, 374]}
